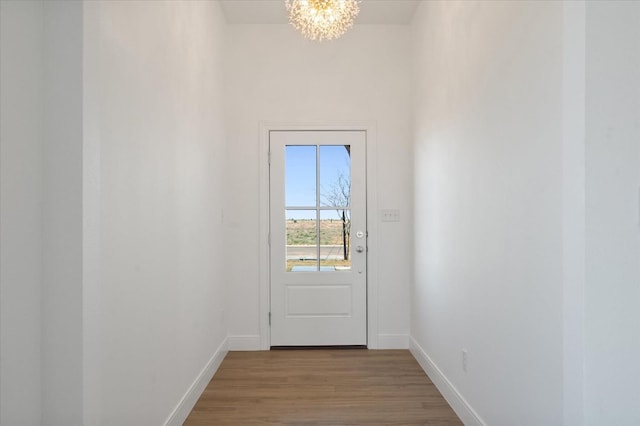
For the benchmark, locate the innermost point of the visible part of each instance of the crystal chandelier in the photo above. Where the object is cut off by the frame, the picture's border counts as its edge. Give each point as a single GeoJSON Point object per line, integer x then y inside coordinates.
{"type": "Point", "coordinates": [322, 19]}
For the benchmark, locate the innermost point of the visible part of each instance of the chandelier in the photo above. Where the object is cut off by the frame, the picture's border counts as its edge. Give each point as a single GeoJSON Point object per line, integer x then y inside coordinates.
{"type": "Point", "coordinates": [322, 19]}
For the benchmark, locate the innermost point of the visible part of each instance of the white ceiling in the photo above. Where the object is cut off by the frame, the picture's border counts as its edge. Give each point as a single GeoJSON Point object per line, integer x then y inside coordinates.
{"type": "Point", "coordinates": [274, 12]}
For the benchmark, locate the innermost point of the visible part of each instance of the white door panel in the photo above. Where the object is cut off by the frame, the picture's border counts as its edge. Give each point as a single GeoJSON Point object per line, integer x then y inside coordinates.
{"type": "Point", "coordinates": [318, 238]}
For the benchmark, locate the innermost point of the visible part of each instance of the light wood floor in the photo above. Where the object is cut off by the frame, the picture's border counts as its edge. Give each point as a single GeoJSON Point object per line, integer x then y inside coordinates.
{"type": "Point", "coordinates": [321, 387]}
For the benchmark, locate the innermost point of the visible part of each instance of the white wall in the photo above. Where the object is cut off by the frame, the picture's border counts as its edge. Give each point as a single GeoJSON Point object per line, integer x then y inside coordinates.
{"type": "Point", "coordinates": [573, 210]}
{"type": "Point", "coordinates": [274, 75]}
{"type": "Point", "coordinates": [41, 211]}
{"type": "Point", "coordinates": [612, 296]}
{"type": "Point", "coordinates": [488, 206]}
{"type": "Point", "coordinates": [155, 144]}
{"type": "Point", "coordinates": [21, 121]}
{"type": "Point", "coordinates": [113, 293]}
{"type": "Point", "coordinates": [62, 214]}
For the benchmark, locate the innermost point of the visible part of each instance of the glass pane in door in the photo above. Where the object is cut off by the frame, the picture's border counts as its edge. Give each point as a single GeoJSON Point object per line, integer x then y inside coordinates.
{"type": "Point", "coordinates": [317, 206]}
{"type": "Point", "coordinates": [302, 240]}
{"type": "Point", "coordinates": [335, 240]}
{"type": "Point", "coordinates": [335, 175]}
{"type": "Point", "coordinates": [300, 176]}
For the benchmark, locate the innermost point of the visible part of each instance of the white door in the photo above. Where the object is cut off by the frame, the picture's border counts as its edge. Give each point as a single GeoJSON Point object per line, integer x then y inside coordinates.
{"type": "Point", "coordinates": [318, 238]}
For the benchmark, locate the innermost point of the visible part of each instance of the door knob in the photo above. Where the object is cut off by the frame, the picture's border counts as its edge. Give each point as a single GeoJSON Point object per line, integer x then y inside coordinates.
{"type": "Point", "coordinates": [359, 249]}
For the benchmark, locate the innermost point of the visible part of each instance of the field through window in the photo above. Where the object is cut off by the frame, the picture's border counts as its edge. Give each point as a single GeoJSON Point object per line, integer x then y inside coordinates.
{"type": "Point", "coordinates": [325, 243]}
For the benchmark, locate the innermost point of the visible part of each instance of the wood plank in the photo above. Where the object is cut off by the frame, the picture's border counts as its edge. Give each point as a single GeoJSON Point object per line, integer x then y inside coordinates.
{"type": "Point", "coordinates": [321, 387]}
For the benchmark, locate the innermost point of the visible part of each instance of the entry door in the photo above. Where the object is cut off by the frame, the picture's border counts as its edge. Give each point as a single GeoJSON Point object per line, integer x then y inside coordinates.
{"type": "Point", "coordinates": [318, 238]}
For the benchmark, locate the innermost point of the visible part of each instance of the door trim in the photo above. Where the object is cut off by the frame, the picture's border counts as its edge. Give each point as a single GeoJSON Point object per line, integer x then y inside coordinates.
{"type": "Point", "coordinates": [372, 222]}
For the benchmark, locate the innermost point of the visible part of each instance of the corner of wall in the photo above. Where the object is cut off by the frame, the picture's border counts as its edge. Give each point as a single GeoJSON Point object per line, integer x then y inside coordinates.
{"type": "Point", "coordinates": [460, 405]}
{"type": "Point", "coordinates": [393, 341]}
{"type": "Point", "coordinates": [188, 401]}
{"type": "Point", "coordinates": [573, 208]}
{"type": "Point", "coordinates": [244, 342]}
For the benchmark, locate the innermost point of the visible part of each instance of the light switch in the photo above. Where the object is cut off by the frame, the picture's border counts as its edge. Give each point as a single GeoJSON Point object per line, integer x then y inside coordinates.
{"type": "Point", "coordinates": [390, 215]}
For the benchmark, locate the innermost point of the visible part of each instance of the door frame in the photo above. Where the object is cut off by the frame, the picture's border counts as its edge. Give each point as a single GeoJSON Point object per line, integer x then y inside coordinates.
{"type": "Point", "coordinates": [372, 223]}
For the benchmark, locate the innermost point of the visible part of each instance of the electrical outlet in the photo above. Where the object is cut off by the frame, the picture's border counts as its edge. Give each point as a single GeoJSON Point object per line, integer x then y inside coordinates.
{"type": "Point", "coordinates": [465, 357]}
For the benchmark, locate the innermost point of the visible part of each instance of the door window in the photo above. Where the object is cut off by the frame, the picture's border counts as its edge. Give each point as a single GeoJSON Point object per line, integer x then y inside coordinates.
{"type": "Point", "coordinates": [318, 208]}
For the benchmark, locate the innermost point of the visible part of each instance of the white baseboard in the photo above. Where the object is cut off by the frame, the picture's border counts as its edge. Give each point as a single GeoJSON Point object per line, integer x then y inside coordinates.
{"type": "Point", "coordinates": [184, 407]}
{"type": "Point", "coordinates": [393, 341]}
{"type": "Point", "coordinates": [244, 343]}
{"type": "Point", "coordinates": [454, 398]}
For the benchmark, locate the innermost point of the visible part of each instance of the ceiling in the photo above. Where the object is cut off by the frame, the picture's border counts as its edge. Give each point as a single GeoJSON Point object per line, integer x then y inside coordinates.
{"type": "Point", "coordinates": [398, 12]}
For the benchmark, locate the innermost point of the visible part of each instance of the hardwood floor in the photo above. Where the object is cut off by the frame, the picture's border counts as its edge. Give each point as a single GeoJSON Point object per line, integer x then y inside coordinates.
{"type": "Point", "coordinates": [321, 387]}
